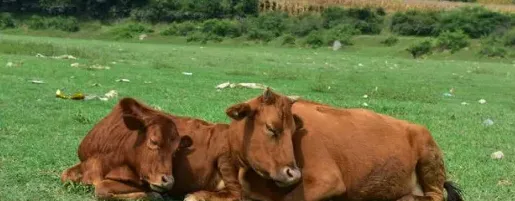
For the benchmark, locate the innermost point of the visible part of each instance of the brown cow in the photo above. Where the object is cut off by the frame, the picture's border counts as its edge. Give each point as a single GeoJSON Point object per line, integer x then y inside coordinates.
{"type": "Point", "coordinates": [358, 155]}
{"type": "Point", "coordinates": [261, 127]}
{"type": "Point", "coordinates": [128, 153]}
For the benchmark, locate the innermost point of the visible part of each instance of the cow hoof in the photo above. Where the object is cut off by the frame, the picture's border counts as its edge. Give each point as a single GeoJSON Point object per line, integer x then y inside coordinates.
{"type": "Point", "coordinates": [191, 197]}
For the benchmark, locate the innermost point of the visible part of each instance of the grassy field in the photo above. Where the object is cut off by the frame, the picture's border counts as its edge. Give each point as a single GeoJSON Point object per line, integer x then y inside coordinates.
{"type": "Point", "coordinates": [39, 133]}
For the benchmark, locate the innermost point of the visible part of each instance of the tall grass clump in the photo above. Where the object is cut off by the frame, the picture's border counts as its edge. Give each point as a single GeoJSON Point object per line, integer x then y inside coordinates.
{"type": "Point", "coordinates": [415, 23]}
{"type": "Point", "coordinates": [7, 21]}
{"type": "Point", "coordinates": [452, 41]}
{"type": "Point", "coordinates": [475, 21]}
{"type": "Point", "coordinates": [68, 24]}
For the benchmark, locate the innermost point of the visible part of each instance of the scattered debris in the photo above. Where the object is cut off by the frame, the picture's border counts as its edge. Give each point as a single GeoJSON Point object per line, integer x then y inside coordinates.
{"type": "Point", "coordinates": [13, 64]}
{"type": "Point", "coordinates": [76, 96]}
{"type": "Point", "coordinates": [114, 62]}
{"type": "Point", "coordinates": [147, 82]}
{"type": "Point", "coordinates": [360, 65]}
{"type": "Point", "coordinates": [37, 81]}
{"type": "Point", "coordinates": [123, 80]}
{"type": "Point", "coordinates": [482, 101]}
{"type": "Point", "coordinates": [80, 96]}
{"type": "Point", "coordinates": [464, 103]}
{"type": "Point", "coordinates": [96, 84]}
{"type": "Point", "coordinates": [447, 94]}
{"type": "Point", "coordinates": [99, 67]}
{"type": "Point", "coordinates": [64, 56]}
{"type": "Point", "coordinates": [488, 122]}
{"type": "Point", "coordinates": [497, 155]}
{"type": "Point", "coordinates": [336, 45]}
{"type": "Point", "coordinates": [143, 36]}
{"type": "Point", "coordinates": [157, 107]}
{"type": "Point", "coordinates": [365, 104]}
{"type": "Point", "coordinates": [74, 65]}
{"type": "Point", "coordinates": [365, 96]}
{"type": "Point", "coordinates": [9, 64]}
{"type": "Point", "coordinates": [241, 85]}
{"type": "Point", "coordinates": [504, 182]}
{"type": "Point", "coordinates": [187, 73]}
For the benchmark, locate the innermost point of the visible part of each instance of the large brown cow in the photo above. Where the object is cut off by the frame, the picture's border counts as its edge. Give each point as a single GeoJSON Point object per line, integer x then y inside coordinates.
{"type": "Point", "coordinates": [255, 138]}
{"type": "Point", "coordinates": [128, 153]}
{"type": "Point", "coordinates": [358, 155]}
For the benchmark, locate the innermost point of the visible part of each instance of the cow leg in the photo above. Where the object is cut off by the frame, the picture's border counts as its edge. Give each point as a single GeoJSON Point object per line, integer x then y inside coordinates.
{"type": "Point", "coordinates": [317, 188]}
{"type": "Point", "coordinates": [228, 189]}
{"type": "Point", "coordinates": [73, 174]}
{"type": "Point", "coordinates": [110, 189]}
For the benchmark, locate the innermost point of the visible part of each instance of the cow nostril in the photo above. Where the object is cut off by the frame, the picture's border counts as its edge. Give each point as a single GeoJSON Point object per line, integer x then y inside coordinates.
{"type": "Point", "coordinates": [288, 172]}
{"type": "Point", "coordinates": [167, 179]}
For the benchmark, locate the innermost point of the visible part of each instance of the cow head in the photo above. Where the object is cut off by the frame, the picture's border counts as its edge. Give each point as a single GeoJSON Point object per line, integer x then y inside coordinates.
{"type": "Point", "coordinates": [156, 144]}
{"type": "Point", "coordinates": [261, 134]}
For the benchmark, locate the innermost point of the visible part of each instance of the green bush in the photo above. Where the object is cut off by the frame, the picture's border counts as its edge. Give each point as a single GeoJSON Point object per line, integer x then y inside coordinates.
{"type": "Point", "coordinates": [130, 30]}
{"type": "Point", "coordinates": [37, 22]}
{"type": "Point", "coordinates": [415, 23]}
{"type": "Point", "coordinates": [474, 21]}
{"type": "Point", "coordinates": [390, 41]}
{"type": "Point", "coordinates": [69, 24]}
{"type": "Point", "coordinates": [342, 33]}
{"type": "Point", "coordinates": [315, 39]}
{"type": "Point", "coordinates": [274, 23]}
{"type": "Point", "coordinates": [288, 40]}
{"type": "Point", "coordinates": [6, 21]}
{"type": "Point", "coordinates": [453, 41]}
{"type": "Point", "coordinates": [509, 38]}
{"type": "Point", "coordinates": [366, 20]}
{"type": "Point", "coordinates": [491, 47]}
{"type": "Point", "coordinates": [422, 48]}
{"type": "Point", "coordinates": [222, 28]}
{"type": "Point", "coordinates": [306, 23]}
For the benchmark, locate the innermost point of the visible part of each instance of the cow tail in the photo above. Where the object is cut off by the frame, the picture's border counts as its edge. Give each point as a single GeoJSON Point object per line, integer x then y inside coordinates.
{"type": "Point", "coordinates": [453, 192]}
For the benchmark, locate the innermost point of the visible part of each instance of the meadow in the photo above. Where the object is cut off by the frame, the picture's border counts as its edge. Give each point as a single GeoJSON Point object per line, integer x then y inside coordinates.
{"type": "Point", "coordinates": [40, 133]}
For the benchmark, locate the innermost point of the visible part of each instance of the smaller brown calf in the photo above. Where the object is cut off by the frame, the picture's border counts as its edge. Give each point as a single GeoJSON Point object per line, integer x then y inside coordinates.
{"type": "Point", "coordinates": [128, 154]}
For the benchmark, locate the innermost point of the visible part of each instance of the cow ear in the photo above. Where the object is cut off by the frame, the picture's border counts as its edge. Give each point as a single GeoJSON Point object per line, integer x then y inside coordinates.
{"type": "Point", "coordinates": [268, 96]}
{"type": "Point", "coordinates": [133, 123]}
{"type": "Point", "coordinates": [299, 123]}
{"type": "Point", "coordinates": [238, 111]}
{"type": "Point", "coordinates": [133, 114]}
{"type": "Point", "coordinates": [186, 142]}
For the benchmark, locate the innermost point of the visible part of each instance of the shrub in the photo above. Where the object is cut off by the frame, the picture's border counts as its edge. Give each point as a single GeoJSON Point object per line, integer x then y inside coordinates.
{"type": "Point", "coordinates": [307, 23]}
{"type": "Point", "coordinates": [69, 24]}
{"type": "Point", "coordinates": [474, 21]}
{"type": "Point", "coordinates": [509, 38]}
{"type": "Point", "coordinates": [452, 41]}
{"type": "Point", "coordinates": [195, 37]}
{"type": "Point", "coordinates": [6, 21]}
{"type": "Point", "coordinates": [491, 47]}
{"type": "Point", "coordinates": [342, 33]}
{"type": "Point", "coordinates": [493, 51]}
{"type": "Point", "coordinates": [266, 26]}
{"type": "Point", "coordinates": [366, 20]}
{"type": "Point", "coordinates": [288, 40]}
{"type": "Point", "coordinates": [416, 23]}
{"type": "Point", "coordinates": [222, 28]}
{"type": "Point", "coordinates": [315, 39]}
{"type": "Point", "coordinates": [131, 30]}
{"type": "Point", "coordinates": [37, 22]}
{"type": "Point", "coordinates": [390, 41]}
{"type": "Point", "coordinates": [422, 48]}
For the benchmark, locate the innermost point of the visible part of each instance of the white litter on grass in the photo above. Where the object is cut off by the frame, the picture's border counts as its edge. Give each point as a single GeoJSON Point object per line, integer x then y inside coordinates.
{"type": "Point", "coordinates": [482, 101]}
{"type": "Point", "coordinates": [336, 45]}
{"type": "Point", "coordinates": [497, 155]}
{"type": "Point", "coordinates": [74, 65]}
{"type": "Point", "coordinates": [365, 104]}
{"type": "Point", "coordinates": [147, 82]}
{"type": "Point", "coordinates": [143, 36]}
{"type": "Point", "coordinates": [99, 67]}
{"type": "Point", "coordinates": [64, 56]}
{"type": "Point", "coordinates": [488, 122]}
{"type": "Point", "coordinates": [109, 95]}
{"type": "Point", "coordinates": [123, 80]}
{"type": "Point", "coordinates": [9, 64]}
{"type": "Point", "coordinates": [365, 96]}
{"type": "Point", "coordinates": [464, 103]}
{"type": "Point", "coordinates": [37, 82]}
{"type": "Point", "coordinates": [187, 73]}
{"type": "Point", "coordinates": [241, 85]}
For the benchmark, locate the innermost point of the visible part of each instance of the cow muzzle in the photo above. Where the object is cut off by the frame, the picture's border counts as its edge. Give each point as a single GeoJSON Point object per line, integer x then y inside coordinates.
{"type": "Point", "coordinates": [166, 184]}
{"type": "Point", "coordinates": [288, 176]}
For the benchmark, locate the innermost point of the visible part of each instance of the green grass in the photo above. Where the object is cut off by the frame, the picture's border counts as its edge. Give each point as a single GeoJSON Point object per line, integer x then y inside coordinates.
{"type": "Point", "coordinates": [39, 134]}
